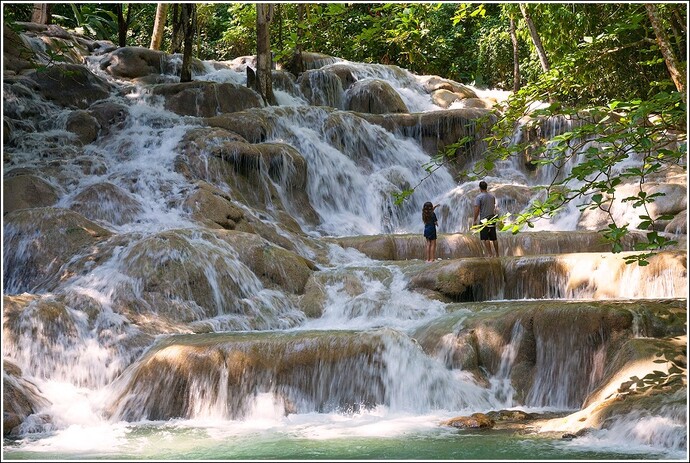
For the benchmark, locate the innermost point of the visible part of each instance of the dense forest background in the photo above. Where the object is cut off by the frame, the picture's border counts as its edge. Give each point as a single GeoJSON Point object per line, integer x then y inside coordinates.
{"type": "Point", "coordinates": [598, 51]}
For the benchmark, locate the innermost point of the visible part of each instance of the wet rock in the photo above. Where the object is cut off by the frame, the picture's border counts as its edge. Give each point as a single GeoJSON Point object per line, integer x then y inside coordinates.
{"type": "Point", "coordinates": [17, 58]}
{"type": "Point", "coordinates": [106, 202]}
{"type": "Point", "coordinates": [434, 83]}
{"type": "Point", "coordinates": [474, 421]}
{"type": "Point", "coordinates": [207, 99]}
{"type": "Point", "coordinates": [39, 241]}
{"type": "Point", "coordinates": [321, 88]}
{"type": "Point", "coordinates": [71, 85]}
{"type": "Point", "coordinates": [20, 398]}
{"type": "Point", "coordinates": [298, 63]}
{"type": "Point", "coordinates": [444, 98]}
{"type": "Point", "coordinates": [211, 205]}
{"type": "Point", "coordinates": [679, 224]}
{"type": "Point", "coordinates": [111, 116]}
{"type": "Point", "coordinates": [462, 280]}
{"type": "Point", "coordinates": [302, 369]}
{"type": "Point", "coordinates": [511, 415]}
{"type": "Point", "coordinates": [27, 191]}
{"type": "Point", "coordinates": [434, 130]}
{"type": "Point", "coordinates": [672, 202]}
{"type": "Point", "coordinates": [251, 126]}
{"type": "Point", "coordinates": [133, 62]}
{"type": "Point", "coordinates": [483, 103]}
{"type": "Point", "coordinates": [373, 96]}
{"type": "Point", "coordinates": [83, 125]}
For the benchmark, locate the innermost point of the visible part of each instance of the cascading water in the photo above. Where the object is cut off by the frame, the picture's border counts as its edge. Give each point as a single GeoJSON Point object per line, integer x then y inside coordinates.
{"type": "Point", "coordinates": [157, 325]}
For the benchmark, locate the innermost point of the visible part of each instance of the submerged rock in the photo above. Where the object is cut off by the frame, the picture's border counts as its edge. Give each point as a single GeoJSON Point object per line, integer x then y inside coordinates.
{"type": "Point", "coordinates": [474, 421]}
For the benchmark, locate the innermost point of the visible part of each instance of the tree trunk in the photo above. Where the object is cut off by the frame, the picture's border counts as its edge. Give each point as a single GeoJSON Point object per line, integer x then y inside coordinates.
{"type": "Point", "coordinates": [264, 60]}
{"type": "Point", "coordinates": [516, 56]}
{"type": "Point", "coordinates": [121, 25]}
{"type": "Point", "coordinates": [677, 73]}
{"type": "Point", "coordinates": [159, 26]}
{"type": "Point", "coordinates": [535, 38]}
{"type": "Point", "coordinates": [177, 36]}
{"type": "Point", "coordinates": [300, 27]}
{"type": "Point", "coordinates": [41, 13]}
{"type": "Point", "coordinates": [188, 23]}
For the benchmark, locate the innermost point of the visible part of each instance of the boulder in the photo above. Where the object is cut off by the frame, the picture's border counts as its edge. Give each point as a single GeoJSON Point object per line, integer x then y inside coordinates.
{"type": "Point", "coordinates": [131, 62]}
{"type": "Point", "coordinates": [27, 191]}
{"type": "Point", "coordinates": [83, 125]}
{"type": "Point", "coordinates": [107, 202]}
{"type": "Point", "coordinates": [207, 99]}
{"type": "Point", "coordinates": [70, 85]}
{"type": "Point", "coordinates": [213, 206]}
{"type": "Point", "coordinates": [434, 83]}
{"type": "Point", "coordinates": [17, 58]}
{"type": "Point", "coordinates": [111, 116]}
{"type": "Point", "coordinates": [374, 96]}
{"type": "Point", "coordinates": [679, 224]}
{"type": "Point", "coordinates": [20, 398]}
{"type": "Point", "coordinates": [321, 88]}
{"type": "Point", "coordinates": [39, 241]}
{"type": "Point", "coordinates": [474, 421]}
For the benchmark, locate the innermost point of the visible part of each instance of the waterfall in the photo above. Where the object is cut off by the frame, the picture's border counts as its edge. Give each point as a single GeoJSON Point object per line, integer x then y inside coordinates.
{"type": "Point", "coordinates": [501, 386]}
{"type": "Point", "coordinates": [186, 270]}
{"type": "Point", "coordinates": [567, 368]}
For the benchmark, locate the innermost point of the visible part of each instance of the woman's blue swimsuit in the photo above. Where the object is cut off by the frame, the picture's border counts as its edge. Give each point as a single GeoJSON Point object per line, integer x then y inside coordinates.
{"type": "Point", "coordinates": [430, 228]}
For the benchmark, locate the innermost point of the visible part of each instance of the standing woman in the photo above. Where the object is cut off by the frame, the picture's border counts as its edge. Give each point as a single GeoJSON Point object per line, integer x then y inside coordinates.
{"type": "Point", "coordinates": [430, 223]}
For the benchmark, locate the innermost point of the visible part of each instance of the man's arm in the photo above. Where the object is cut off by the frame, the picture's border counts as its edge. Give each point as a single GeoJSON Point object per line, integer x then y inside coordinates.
{"type": "Point", "coordinates": [476, 214]}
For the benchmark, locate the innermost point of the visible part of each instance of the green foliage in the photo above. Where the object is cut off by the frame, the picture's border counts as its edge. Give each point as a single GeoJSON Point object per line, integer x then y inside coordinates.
{"type": "Point", "coordinates": [599, 148]}
{"type": "Point", "coordinates": [91, 20]}
{"type": "Point", "coordinates": [675, 377]}
{"type": "Point", "coordinates": [239, 36]}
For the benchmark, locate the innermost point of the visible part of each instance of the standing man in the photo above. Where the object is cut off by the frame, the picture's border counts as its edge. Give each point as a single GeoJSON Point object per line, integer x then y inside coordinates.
{"type": "Point", "coordinates": [485, 209]}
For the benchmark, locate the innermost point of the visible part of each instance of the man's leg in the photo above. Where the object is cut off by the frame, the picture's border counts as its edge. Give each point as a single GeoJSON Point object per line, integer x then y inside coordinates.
{"type": "Point", "coordinates": [487, 245]}
{"type": "Point", "coordinates": [495, 242]}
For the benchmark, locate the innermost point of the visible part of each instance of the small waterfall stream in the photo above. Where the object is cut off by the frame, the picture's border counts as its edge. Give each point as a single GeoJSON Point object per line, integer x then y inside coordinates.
{"type": "Point", "coordinates": [138, 320]}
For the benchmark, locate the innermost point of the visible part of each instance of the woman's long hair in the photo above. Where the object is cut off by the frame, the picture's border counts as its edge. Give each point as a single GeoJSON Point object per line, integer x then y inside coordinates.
{"type": "Point", "coordinates": [427, 212]}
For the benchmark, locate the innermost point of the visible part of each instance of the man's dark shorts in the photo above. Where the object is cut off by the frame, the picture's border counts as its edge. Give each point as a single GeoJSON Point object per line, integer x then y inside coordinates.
{"type": "Point", "coordinates": [488, 233]}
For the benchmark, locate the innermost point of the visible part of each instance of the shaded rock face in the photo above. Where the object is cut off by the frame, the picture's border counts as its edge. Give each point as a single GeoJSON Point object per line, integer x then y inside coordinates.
{"type": "Point", "coordinates": [549, 338]}
{"type": "Point", "coordinates": [39, 241]}
{"type": "Point", "coordinates": [20, 398]}
{"type": "Point", "coordinates": [436, 129]}
{"type": "Point", "coordinates": [302, 372]}
{"type": "Point", "coordinates": [321, 88]}
{"type": "Point", "coordinates": [133, 62]}
{"type": "Point", "coordinates": [206, 99]}
{"type": "Point", "coordinates": [27, 191]}
{"type": "Point", "coordinates": [217, 155]}
{"type": "Point", "coordinates": [17, 57]}
{"type": "Point", "coordinates": [71, 85]}
{"type": "Point", "coordinates": [373, 96]}
{"type": "Point", "coordinates": [474, 421]}
{"type": "Point", "coordinates": [106, 202]}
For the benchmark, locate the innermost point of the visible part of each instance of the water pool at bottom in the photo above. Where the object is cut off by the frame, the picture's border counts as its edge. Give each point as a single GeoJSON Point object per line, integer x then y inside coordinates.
{"type": "Point", "coordinates": [302, 441]}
